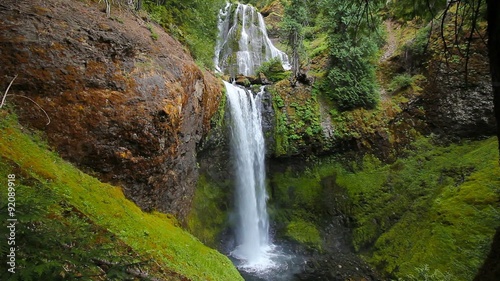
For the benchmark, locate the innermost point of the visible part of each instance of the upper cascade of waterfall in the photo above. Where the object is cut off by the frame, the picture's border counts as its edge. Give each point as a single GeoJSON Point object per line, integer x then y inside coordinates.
{"type": "Point", "coordinates": [243, 44]}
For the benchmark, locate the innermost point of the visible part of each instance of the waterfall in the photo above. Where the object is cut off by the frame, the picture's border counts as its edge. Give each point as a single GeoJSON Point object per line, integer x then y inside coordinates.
{"type": "Point", "coordinates": [247, 144]}
{"type": "Point", "coordinates": [243, 44]}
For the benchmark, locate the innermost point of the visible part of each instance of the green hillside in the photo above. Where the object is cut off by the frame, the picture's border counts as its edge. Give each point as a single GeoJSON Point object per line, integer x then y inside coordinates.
{"type": "Point", "coordinates": [72, 226]}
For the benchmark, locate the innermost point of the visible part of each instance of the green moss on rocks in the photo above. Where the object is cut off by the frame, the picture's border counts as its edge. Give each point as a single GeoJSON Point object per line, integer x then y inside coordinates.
{"type": "Point", "coordinates": [451, 212]}
{"type": "Point", "coordinates": [273, 70]}
{"type": "Point", "coordinates": [297, 119]}
{"type": "Point", "coordinates": [156, 237]}
{"type": "Point", "coordinates": [438, 206]}
{"type": "Point", "coordinates": [304, 232]}
{"type": "Point", "coordinates": [217, 119]}
{"type": "Point", "coordinates": [208, 217]}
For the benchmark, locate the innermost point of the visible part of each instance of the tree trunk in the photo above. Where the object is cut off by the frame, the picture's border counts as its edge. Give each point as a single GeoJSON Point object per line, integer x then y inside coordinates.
{"type": "Point", "coordinates": [493, 50]}
{"type": "Point", "coordinates": [490, 271]}
{"type": "Point", "coordinates": [295, 59]}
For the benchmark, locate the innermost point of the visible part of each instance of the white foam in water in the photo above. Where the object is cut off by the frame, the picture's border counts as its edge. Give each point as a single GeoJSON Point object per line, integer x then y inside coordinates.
{"type": "Point", "coordinates": [247, 145]}
{"type": "Point", "coordinates": [255, 253]}
{"type": "Point", "coordinates": [274, 265]}
{"type": "Point", "coordinates": [262, 262]}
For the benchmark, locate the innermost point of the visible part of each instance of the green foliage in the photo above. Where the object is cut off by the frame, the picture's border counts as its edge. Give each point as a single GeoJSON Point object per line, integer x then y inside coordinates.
{"type": "Point", "coordinates": [415, 50]}
{"type": "Point", "coordinates": [417, 45]}
{"type": "Point", "coordinates": [56, 242]}
{"type": "Point", "coordinates": [400, 81]}
{"type": "Point", "coordinates": [154, 35]}
{"type": "Point", "coordinates": [217, 119]}
{"type": "Point", "coordinates": [353, 44]}
{"type": "Point", "coordinates": [278, 101]}
{"type": "Point", "coordinates": [351, 82]}
{"type": "Point", "coordinates": [426, 208]}
{"type": "Point", "coordinates": [317, 47]}
{"type": "Point", "coordinates": [292, 28]}
{"type": "Point", "coordinates": [258, 3]}
{"type": "Point", "coordinates": [91, 207]}
{"type": "Point", "coordinates": [297, 120]}
{"type": "Point", "coordinates": [273, 70]}
{"type": "Point", "coordinates": [304, 232]}
{"type": "Point", "coordinates": [424, 273]}
{"type": "Point", "coordinates": [193, 22]}
{"type": "Point", "coordinates": [419, 9]}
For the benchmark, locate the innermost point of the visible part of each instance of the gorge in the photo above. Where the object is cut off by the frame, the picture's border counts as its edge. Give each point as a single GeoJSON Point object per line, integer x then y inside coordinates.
{"type": "Point", "coordinates": [377, 159]}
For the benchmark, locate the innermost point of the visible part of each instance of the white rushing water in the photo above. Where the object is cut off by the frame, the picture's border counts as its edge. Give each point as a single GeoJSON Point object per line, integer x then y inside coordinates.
{"type": "Point", "coordinates": [243, 44]}
{"type": "Point", "coordinates": [248, 149]}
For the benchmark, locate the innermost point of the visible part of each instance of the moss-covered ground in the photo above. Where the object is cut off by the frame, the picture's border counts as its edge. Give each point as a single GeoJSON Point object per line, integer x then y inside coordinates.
{"type": "Point", "coordinates": [434, 210]}
{"type": "Point", "coordinates": [67, 218]}
{"type": "Point", "coordinates": [209, 215]}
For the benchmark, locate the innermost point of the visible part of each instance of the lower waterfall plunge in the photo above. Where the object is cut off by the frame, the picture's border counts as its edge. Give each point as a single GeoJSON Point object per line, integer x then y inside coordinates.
{"type": "Point", "coordinates": [247, 145]}
{"type": "Point", "coordinates": [242, 46]}
{"type": "Point", "coordinates": [255, 255]}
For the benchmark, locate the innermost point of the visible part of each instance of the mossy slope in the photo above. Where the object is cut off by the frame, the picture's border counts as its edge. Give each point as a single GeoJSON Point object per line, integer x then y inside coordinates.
{"type": "Point", "coordinates": [153, 236]}
{"type": "Point", "coordinates": [436, 208]}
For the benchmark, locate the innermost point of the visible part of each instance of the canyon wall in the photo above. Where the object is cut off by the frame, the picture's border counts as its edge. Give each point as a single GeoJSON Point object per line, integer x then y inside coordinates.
{"type": "Point", "coordinates": [126, 101]}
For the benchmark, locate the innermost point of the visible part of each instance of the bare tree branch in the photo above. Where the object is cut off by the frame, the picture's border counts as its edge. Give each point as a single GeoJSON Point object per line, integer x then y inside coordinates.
{"type": "Point", "coordinates": [21, 96]}
{"type": "Point", "coordinates": [443, 18]}
{"type": "Point", "coordinates": [469, 40]}
{"type": "Point", "coordinates": [6, 91]}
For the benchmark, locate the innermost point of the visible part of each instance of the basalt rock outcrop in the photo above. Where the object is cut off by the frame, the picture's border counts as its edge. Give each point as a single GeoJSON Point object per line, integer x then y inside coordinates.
{"type": "Point", "coordinates": [123, 104]}
{"type": "Point", "coordinates": [456, 106]}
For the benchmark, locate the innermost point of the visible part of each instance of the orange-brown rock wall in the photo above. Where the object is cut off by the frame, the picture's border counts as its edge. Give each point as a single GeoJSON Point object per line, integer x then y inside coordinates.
{"type": "Point", "coordinates": [122, 105]}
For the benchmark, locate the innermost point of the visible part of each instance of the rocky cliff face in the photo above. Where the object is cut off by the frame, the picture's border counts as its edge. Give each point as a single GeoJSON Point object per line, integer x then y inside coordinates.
{"type": "Point", "coordinates": [122, 105]}
{"type": "Point", "coordinates": [458, 108]}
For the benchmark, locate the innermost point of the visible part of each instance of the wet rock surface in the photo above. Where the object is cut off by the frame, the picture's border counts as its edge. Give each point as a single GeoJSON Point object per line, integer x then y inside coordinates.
{"type": "Point", "coordinates": [456, 108]}
{"type": "Point", "coordinates": [122, 106]}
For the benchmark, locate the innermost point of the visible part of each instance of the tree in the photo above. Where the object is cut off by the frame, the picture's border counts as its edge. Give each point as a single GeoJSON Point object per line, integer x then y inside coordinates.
{"type": "Point", "coordinates": [292, 25]}
{"type": "Point", "coordinates": [491, 267]}
{"type": "Point", "coordinates": [493, 20]}
{"type": "Point", "coordinates": [352, 40]}
{"type": "Point", "coordinates": [422, 9]}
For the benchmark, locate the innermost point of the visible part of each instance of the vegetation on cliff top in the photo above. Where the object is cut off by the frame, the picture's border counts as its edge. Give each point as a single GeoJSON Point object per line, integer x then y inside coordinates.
{"type": "Point", "coordinates": [193, 22]}
{"type": "Point", "coordinates": [297, 119]}
{"type": "Point", "coordinates": [97, 231]}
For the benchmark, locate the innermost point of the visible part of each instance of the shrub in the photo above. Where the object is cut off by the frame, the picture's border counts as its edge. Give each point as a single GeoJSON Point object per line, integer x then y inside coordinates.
{"type": "Point", "coordinates": [154, 35]}
{"type": "Point", "coordinates": [273, 70]}
{"type": "Point", "coordinates": [351, 80]}
{"type": "Point", "coordinates": [400, 81]}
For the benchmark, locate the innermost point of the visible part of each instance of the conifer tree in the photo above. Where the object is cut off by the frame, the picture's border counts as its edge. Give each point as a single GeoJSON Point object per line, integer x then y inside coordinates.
{"type": "Point", "coordinates": [293, 23]}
